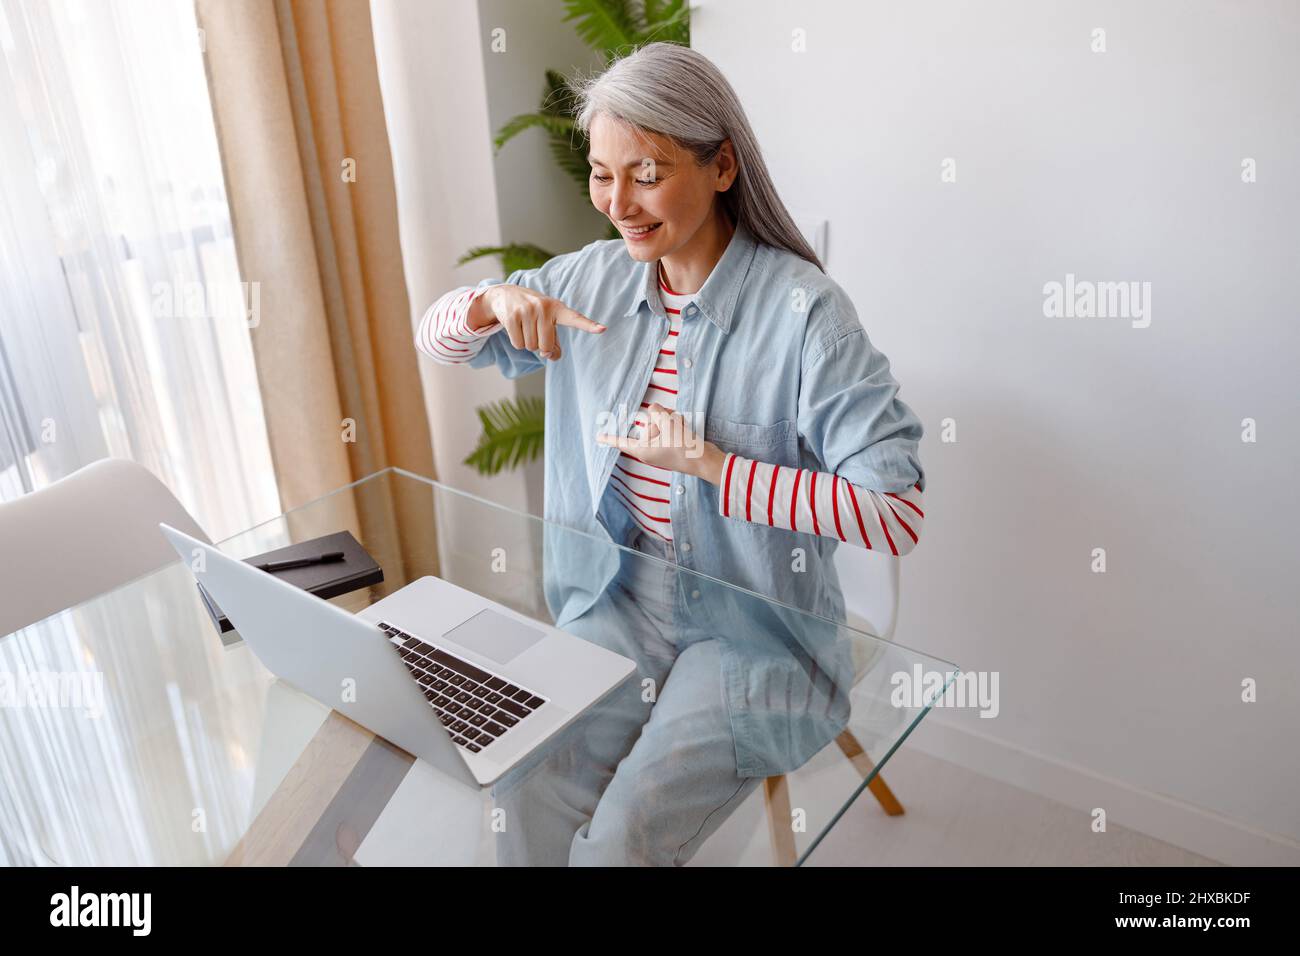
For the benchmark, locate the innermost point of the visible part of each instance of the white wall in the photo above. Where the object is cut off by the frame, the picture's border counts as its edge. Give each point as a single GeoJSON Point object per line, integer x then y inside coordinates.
{"type": "Point", "coordinates": [1121, 689]}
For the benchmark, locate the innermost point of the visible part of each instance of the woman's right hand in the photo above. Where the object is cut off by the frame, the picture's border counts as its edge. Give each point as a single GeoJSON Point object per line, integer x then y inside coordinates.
{"type": "Point", "coordinates": [528, 317]}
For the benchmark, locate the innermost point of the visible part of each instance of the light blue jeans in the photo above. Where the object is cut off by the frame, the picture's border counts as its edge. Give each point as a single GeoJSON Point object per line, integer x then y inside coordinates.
{"type": "Point", "coordinates": [645, 776]}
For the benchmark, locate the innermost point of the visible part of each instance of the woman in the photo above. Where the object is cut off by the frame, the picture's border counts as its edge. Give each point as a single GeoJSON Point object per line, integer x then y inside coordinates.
{"type": "Point", "coordinates": [711, 400]}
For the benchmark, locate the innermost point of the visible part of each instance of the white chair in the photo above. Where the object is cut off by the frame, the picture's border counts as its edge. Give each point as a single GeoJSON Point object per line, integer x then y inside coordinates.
{"type": "Point", "coordinates": [872, 584]}
{"type": "Point", "coordinates": [81, 536]}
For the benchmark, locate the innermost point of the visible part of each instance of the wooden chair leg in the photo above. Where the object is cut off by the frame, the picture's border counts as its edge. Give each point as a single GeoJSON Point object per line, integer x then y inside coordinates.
{"type": "Point", "coordinates": [777, 793]}
{"type": "Point", "coordinates": [776, 790]}
{"type": "Point", "coordinates": [858, 757]}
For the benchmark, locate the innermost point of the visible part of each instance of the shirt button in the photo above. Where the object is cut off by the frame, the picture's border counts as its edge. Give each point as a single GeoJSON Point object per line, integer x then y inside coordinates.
{"type": "Point", "coordinates": [695, 595]}
{"type": "Point", "coordinates": [686, 547]}
{"type": "Point", "coordinates": [688, 363]}
{"type": "Point", "coordinates": [681, 490]}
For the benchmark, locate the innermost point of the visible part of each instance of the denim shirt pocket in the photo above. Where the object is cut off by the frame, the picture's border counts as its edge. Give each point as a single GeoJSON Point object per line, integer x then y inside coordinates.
{"type": "Point", "coordinates": [774, 444]}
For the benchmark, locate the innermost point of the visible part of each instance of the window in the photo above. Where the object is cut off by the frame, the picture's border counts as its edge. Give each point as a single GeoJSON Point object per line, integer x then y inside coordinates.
{"type": "Point", "coordinates": [123, 323]}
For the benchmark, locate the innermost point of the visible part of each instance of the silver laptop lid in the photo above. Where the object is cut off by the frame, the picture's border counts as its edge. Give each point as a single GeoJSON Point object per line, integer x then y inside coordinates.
{"type": "Point", "coordinates": [324, 651]}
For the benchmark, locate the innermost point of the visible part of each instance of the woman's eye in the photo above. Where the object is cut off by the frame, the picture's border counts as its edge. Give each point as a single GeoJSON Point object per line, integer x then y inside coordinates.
{"type": "Point", "coordinates": [639, 182]}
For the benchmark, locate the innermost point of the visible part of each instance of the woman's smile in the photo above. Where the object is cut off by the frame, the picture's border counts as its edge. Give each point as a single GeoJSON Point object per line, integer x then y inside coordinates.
{"type": "Point", "coordinates": [640, 233]}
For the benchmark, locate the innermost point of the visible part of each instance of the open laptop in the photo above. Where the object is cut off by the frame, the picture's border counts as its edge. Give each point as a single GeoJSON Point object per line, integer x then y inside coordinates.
{"type": "Point", "coordinates": [463, 683]}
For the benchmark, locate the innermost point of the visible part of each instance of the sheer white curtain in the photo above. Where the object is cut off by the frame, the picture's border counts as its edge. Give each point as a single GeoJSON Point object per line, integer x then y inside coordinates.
{"type": "Point", "coordinates": [123, 323]}
{"type": "Point", "coordinates": [123, 332]}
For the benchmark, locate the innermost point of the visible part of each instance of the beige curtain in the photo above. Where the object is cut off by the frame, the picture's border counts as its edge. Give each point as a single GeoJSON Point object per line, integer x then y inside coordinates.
{"type": "Point", "coordinates": [309, 178]}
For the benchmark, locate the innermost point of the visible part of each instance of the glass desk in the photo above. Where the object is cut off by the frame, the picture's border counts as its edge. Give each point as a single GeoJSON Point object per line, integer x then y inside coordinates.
{"type": "Point", "coordinates": [198, 755]}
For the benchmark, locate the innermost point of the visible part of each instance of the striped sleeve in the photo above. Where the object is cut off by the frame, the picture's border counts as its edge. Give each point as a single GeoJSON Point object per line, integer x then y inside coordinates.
{"type": "Point", "coordinates": [818, 502]}
{"type": "Point", "coordinates": [444, 334]}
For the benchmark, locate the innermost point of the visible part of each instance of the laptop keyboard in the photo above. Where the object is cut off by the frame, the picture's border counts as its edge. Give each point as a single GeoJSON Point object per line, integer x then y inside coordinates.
{"type": "Point", "coordinates": [476, 706]}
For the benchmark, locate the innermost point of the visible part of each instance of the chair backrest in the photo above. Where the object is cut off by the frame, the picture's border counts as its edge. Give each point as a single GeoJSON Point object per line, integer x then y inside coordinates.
{"type": "Point", "coordinates": [871, 584]}
{"type": "Point", "coordinates": [81, 536]}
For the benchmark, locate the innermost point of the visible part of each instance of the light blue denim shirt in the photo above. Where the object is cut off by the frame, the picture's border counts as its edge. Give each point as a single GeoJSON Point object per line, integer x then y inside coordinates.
{"type": "Point", "coordinates": [775, 364]}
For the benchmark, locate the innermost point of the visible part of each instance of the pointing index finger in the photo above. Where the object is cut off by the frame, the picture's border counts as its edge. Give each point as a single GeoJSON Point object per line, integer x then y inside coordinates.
{"type": "Point", "coordinates": [566, 316]}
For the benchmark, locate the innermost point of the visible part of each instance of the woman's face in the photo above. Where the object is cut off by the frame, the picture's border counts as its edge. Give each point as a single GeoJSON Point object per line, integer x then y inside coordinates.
{"type": "Point", "coordinates": [641, 179]}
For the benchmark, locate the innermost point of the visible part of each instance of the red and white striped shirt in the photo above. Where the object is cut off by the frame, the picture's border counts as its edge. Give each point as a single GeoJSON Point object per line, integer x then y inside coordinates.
{"type": "Point", "coordinates": [822, 503]}
{"type": "Point", "coordinates": [444, 333]}
{"type": "Point", "coordinates": [796, 499]}
{"type": "Point", "coordinates": [644, 488]}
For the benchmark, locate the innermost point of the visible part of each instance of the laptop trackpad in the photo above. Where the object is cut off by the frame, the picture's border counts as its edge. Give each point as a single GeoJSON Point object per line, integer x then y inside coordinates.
{"type": "Point", "coordinates": [495, 635]}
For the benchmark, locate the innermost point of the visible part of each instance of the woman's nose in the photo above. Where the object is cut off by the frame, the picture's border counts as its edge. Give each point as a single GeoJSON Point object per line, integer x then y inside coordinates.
{"type": "Point", "coordinates": [621, 205]}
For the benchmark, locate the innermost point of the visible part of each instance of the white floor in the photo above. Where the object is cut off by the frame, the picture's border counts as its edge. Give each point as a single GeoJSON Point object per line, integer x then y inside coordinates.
{"type": "Point", "coordinates": [953, 817]}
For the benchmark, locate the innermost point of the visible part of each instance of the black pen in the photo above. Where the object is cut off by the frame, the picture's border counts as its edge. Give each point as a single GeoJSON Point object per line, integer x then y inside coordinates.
{"type": "Point", "coordinates": [325, 558]}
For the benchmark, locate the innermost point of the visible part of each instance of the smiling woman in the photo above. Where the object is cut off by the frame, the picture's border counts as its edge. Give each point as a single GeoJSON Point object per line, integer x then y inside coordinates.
{"type": "Point", "coordinates": [663, 208]}
{"type": "Point", "coordinates": [710, 312]}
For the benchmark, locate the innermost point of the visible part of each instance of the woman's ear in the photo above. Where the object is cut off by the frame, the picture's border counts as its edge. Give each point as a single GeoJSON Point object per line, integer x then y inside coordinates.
{"type": "Point", "coordinates": [727, 168]}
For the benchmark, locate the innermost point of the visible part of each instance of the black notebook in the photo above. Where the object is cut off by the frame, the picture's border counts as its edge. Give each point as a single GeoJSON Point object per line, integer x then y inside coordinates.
{"type": "Point", "coordinates": [357, 570]}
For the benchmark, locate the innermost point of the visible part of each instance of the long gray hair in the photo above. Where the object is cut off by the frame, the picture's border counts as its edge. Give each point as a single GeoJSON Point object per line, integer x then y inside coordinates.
{"type": "Point", "coordinates": [676, 92]}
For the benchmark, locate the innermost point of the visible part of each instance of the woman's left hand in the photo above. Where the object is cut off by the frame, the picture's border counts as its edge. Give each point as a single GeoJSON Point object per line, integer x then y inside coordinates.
{"type": "Point", "coordinates": [667, 442]}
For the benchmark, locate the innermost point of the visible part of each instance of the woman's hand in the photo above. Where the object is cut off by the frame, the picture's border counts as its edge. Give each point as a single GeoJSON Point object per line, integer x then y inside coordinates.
{"type": "Point", "coordinates": [666, 441]}
{"type": "Point", "coordinates": [528, 317]}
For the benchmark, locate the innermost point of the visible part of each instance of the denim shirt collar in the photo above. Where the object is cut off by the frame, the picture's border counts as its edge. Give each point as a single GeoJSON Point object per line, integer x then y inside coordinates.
{"type": "Point", "coordinates": [717, 297]}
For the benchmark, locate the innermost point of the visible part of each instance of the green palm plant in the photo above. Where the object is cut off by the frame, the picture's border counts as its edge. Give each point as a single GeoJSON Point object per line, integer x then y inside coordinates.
{"type": "Point", "coordinates": [513, 428]}
{"type": "Point", "coordinates": [512, 434]}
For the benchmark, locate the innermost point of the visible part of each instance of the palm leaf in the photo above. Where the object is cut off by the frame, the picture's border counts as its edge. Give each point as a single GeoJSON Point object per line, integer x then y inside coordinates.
{"type": "Point", "coordinates": [516, 256]}
{"type": "Point", "coordinates": [568, 144]}
{"type": "Point", "coordinates": [606, 25]}
{"type": "Point", "coordinates": [513, 433]}
{"type": "Point", "coordinates": [668, 21]}
{"type": "Point", "coordinates": [553, 123]}
{"type": "Point", "coordinates": [572, 162]}
{"type": "Point", "coordinates": [559, 99]}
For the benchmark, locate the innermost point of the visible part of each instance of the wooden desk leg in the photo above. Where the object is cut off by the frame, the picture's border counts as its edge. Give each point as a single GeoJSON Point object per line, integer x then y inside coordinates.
{"type": "Point", "coordinates": [285, 825]}
{"type": "Point", "coordinates": [779, 822]}
{"type": "Point", "coordinates": [858, 757]}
